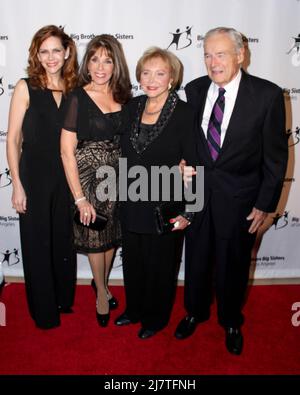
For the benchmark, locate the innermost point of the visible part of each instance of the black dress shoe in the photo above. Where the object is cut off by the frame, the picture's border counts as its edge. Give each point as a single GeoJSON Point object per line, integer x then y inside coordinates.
{"type": "Point", "coordinates": [102, 319]}
{"type": "Point", "coordinates": [234, 340]}
{"type": "Point", "coordinates": [65, 310]}
{"type": "Point", "coordinates": [113, 302]}
{"type": "Point", "coordinates": [123, 319]}
{"type": "Point", "coordinates": [146, 333]}
{"type": "Point", "coordinates": [186, 327]}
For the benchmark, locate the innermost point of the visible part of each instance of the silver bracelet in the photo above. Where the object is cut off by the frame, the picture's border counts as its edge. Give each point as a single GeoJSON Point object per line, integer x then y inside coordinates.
{"type": "Point", "coordinates": [79, 200]}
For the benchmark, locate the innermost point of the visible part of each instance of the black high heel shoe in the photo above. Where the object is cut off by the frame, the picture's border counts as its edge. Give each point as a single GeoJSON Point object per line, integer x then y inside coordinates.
{"type": "Point", "coordinates": [113, 302]}
{"type": "Point", "coordinates": [102, 319]}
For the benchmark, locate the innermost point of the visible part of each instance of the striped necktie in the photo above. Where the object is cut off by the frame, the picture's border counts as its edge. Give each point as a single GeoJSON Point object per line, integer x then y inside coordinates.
{"type": "Point", "coordinates": [214, 125]}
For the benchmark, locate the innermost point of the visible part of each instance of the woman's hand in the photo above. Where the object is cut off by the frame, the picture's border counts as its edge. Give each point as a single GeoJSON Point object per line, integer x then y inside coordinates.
{"type": "Point", "coordinates": [187, 172]}
{"type": "Point", "coordinates": [179, 222]}
{"type": "Point", "coordinates": [87, 212]}
{"type": "Point", "coordinates": [18, 199]}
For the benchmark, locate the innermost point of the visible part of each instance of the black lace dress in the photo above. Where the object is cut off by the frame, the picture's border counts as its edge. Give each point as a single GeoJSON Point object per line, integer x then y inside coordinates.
{"type": "Point", "coordinates": [98, 137]}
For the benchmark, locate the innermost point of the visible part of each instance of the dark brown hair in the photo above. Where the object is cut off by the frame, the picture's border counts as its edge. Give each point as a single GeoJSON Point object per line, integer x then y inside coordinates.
{"type": "Point", "coordinates": [37, 74]}
{"type": "Point", "coordinates": [120, 82]}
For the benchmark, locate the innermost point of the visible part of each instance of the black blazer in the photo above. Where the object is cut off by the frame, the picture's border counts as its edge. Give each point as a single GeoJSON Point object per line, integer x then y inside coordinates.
{"type": "Point", "coordinates": [250, 169]}
{"type": "Point", "coordinates": [176, 140]}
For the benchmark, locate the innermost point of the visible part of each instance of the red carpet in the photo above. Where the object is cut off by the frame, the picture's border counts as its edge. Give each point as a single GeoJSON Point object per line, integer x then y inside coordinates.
{"type": "Point", "coordinates": [80, 346]}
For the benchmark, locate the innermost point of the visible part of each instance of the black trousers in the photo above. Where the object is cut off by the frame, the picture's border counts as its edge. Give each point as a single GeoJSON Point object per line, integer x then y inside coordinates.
{"type": "Point", "coordinates": [150, 268]}
{"type": "Point", "coordinates": [49, 258]}
{"type": "Point", "coordinates": [211, 259]}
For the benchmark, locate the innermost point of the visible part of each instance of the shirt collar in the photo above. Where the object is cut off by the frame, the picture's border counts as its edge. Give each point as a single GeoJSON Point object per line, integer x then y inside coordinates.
{"type": "Point", "coordinates": [231, 87]}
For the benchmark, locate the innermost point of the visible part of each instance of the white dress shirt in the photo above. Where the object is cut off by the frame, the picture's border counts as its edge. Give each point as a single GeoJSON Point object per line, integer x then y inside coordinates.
{"type": "Point", "coordinates": [230, 97]}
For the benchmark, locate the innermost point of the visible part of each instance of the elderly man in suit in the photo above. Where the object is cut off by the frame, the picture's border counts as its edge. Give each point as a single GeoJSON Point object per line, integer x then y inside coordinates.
{"type": "Point", "coordinates": [243, 147]}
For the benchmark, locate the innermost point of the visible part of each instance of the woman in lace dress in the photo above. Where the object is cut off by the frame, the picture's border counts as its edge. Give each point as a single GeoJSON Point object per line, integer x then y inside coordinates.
{"type": "Point", "coordinates": [90, 140]}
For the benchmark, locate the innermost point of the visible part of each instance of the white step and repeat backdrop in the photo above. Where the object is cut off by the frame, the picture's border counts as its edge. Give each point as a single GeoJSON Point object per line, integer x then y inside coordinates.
{"type": "Point", "coordinates": [273, 30]}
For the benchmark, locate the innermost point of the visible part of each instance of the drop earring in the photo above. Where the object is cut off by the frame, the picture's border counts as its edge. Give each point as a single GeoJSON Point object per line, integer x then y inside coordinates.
{"type": "Point", "coordinates": [170, 86]}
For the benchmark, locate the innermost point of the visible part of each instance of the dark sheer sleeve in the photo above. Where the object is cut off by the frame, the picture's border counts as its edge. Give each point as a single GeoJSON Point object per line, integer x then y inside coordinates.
{"type": "Point", "coordinates": [70, 122]}
{"type": "Point", "coordinates": [127, 116]}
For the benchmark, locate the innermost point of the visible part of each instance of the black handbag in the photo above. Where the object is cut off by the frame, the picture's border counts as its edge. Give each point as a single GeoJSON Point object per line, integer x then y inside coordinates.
{"type": "Point", "coordinates": [164, 212]}
{"type": "Point", "coordinates": [99, 224]}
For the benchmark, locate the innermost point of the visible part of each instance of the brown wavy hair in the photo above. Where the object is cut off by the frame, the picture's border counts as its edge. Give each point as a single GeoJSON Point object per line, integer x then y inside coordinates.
{"type": "Point", "coordinates": [36, 72]}
{"type": "Point", "coordinates": [120, 82]}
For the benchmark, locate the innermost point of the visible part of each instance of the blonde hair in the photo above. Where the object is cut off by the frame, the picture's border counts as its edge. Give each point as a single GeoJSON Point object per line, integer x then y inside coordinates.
{"type": "Point", "coordinates": [168, 57]}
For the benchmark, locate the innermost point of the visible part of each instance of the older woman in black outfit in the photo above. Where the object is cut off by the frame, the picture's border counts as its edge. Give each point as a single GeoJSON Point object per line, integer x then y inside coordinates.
{"type": "Point", "coordinates": [160, 134]}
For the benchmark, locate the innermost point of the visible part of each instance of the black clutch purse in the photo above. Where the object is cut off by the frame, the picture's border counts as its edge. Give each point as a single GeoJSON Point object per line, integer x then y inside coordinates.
{"type": "Point", "coordinates": [164, 212]}
{"type": "Point", "coordinates": [99, 224]}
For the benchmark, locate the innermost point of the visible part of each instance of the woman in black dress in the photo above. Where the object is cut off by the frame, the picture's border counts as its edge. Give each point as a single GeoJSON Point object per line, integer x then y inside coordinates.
{"type": "Point", "coordinates": [161, 132]}
{"type": "Point", "coordinates": [40, 191]}
{"type": "Point", "coordinates": [90, 141]}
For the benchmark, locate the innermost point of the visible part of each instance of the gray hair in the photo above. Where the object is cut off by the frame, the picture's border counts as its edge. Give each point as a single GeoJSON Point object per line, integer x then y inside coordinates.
{"type": "Point", "coordinates": [235, 36]}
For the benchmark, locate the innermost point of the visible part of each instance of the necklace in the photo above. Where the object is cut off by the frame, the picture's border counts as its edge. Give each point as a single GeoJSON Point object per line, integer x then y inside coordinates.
{"type": "Point", "coordinates": [151, 112]}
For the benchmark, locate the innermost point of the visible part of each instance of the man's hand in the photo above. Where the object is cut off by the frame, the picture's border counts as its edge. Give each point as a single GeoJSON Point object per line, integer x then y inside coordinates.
{"type": "Point", "coordinates": [187, 172]}
{"type": "Point", "coordinates": [257, 217]}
